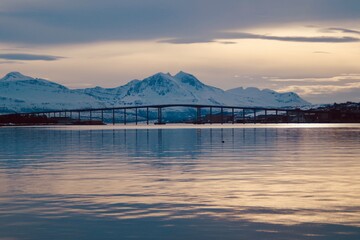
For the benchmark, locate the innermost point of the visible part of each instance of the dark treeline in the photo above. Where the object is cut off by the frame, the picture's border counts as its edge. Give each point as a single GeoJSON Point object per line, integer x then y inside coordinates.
{"type": "Point", "coordinates": [348, 112]}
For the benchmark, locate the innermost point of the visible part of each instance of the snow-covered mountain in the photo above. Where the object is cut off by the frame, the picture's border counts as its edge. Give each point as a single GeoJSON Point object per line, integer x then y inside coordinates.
{"type": "Point", "coordinates": [19, 93]}
{"type": "Point", "coordinates": [159, 89]}
{"type": "Point", "coordinates": [267, 97]}
{"type": "Point", "coordinates": [186, 88]}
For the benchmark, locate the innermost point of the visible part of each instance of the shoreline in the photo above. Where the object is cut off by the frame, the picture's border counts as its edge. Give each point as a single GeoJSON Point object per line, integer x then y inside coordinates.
{"type": "Point", "coordinates": [190, 126]}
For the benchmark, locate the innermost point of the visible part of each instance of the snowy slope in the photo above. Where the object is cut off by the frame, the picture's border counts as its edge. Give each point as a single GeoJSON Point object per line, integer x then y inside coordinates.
{"type": "Point", "coordinates": [205, 94]}
{"type": "Point", "coordinates": [181, 88]}
{"type": "Point", "coordinates": [267, 97]}
{"type": "Point", "coordinates": [162, 88]}
{"type": "Point", "coordinates": [19, 93]}
{"type": "Point", "coordinates": [109, 96]}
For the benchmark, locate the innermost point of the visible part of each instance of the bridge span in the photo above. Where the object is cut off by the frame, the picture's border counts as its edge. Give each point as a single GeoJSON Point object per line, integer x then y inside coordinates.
{"type": "Point", "coordinates": [202, 114]}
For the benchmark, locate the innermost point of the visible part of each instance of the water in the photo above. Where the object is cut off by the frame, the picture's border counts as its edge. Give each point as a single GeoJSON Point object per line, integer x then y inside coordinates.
{"type": "Point", "coordinates": [268, 182]}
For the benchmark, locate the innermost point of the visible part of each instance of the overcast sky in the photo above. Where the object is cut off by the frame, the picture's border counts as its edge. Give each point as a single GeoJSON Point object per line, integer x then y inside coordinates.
{"type": "Point", "coordinates": [311, 47]}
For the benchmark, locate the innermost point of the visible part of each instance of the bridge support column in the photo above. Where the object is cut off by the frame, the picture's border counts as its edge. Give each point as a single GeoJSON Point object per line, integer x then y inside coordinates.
{"type": "Point", "coordinates": [233, 115]}
{"type": "Point", "coordinates": [124, 116]}
{"type": "Point", "coordinates": [266, 120]}
{"type": "Point", "coordinates": [79, 116]}
{"type": "Point", "coordinates": [90, 114]}
{"type": "Point", "coordinates": [147, 115]}
{"type": "Point", "coordinates": [211, 116]}
{"type": "Point", "coordinates": [254, 116]}
{"type": "Point", "coordinates": [243, 116]}
{"type": "Point", "coordinates": [113, 116]}
{"type": "Point", "coordinates": [222, 115]}
{"type": "Point", "coordinates": [136, 116]}
{"type": "Point", "coordinates": [102, 115]}
{"type": "Point", "coordinates": [159, 115]}
{"type": "Point", "coordinates": [198, 115]}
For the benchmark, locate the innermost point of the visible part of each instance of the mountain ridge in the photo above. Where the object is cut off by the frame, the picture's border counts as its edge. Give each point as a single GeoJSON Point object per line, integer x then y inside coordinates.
{"type": "Point", "coordinates": [20, 93]}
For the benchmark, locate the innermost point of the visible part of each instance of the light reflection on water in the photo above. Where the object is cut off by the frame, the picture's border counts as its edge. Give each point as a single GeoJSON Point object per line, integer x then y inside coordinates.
{"type": "Point", "coordinates": [275, 182]}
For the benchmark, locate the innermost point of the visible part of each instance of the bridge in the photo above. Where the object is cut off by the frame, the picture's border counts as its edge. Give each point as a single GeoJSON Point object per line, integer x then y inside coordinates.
{"type": "Point", "coordinates": [225, 114]}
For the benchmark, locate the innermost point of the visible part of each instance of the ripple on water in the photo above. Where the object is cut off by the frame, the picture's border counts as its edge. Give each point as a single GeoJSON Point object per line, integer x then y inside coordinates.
{"type": "Point", "coordinates": [196, 183]}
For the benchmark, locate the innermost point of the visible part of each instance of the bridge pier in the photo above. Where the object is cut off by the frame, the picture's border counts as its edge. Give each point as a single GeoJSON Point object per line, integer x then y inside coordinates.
{"type": "Point", "coordinates": [124, 116]}
{"type": "Point", "coordinates": [222, 115]}
{"type": "Point", "coordinates": [113, 116]}
{"type": "Point", "coordinates": [233, 115]}
{"type": "Point", "coordinates": [254, 116]}
{"type": "Point", "coordinates": [198, 115]}
{"type": "Point", "coordinates": [147, 115]}
{"type": "Point", "coordinates": [243, 116]}
{"type": "Point", "coordinates": [159, 116]}
{"type": "Point", "coordinates": [266, 120]}
{"type": "Point", "coordinates": [136, 116]}
{"type": "Point", "coordinates": [211, 116]}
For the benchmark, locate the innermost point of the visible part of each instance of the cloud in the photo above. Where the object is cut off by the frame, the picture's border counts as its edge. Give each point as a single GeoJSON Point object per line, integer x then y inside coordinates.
{"type": "Point", "coordinates": [321, 39]}
{"type": "Point", "coordinates": [341, 78]}
{"type": "Point", "coordinates": [10, 62]}
{"type": "Point", "coordinates": [321, 52]}
{"type": "Point", "coordinates": [68, 21]}
{"type": "Point", "coordinates": [308, 39]}
{"type": "Point", "coordinates": [327, 93]}
{"type": "Point", "coordinates": [227, 42]}
{"type": "Point", "coordinates": [28, 57]}
{"type": "Point", "coordinates": [342, 30]}
{"type": "Point", "coordinates": [341, 88]}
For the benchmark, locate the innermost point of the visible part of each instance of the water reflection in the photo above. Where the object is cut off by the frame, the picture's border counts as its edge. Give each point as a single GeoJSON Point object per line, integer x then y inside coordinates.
{"type": "Point", "coordinates": [272, 183]}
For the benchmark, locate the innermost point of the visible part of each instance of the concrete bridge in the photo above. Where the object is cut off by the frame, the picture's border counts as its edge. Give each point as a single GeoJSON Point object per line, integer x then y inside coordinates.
{"type": "Point", "coordinates": [225, 114]}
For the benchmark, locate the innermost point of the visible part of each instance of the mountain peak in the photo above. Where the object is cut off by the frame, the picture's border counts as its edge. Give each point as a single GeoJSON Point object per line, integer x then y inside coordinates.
{"type": "Point", "coordinates": [189, 79]}
{"type": "Point", "coordinates": [15, 76]}
{"type": "Point", "coordinates": [159, 78]}
{"type": "Point", "coordinates": [160, 74]}
{"type": "Point", "coordinates": [183, 74]}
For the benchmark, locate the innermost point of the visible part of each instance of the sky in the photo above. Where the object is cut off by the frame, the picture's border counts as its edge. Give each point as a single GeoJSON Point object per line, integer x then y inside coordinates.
{"type": "Point", "coordinates": [311, 47]}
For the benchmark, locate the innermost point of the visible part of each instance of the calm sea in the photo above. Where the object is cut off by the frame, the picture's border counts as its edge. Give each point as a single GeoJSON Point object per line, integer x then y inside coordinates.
{"type": "Point", "coordinates": [180, 182]}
